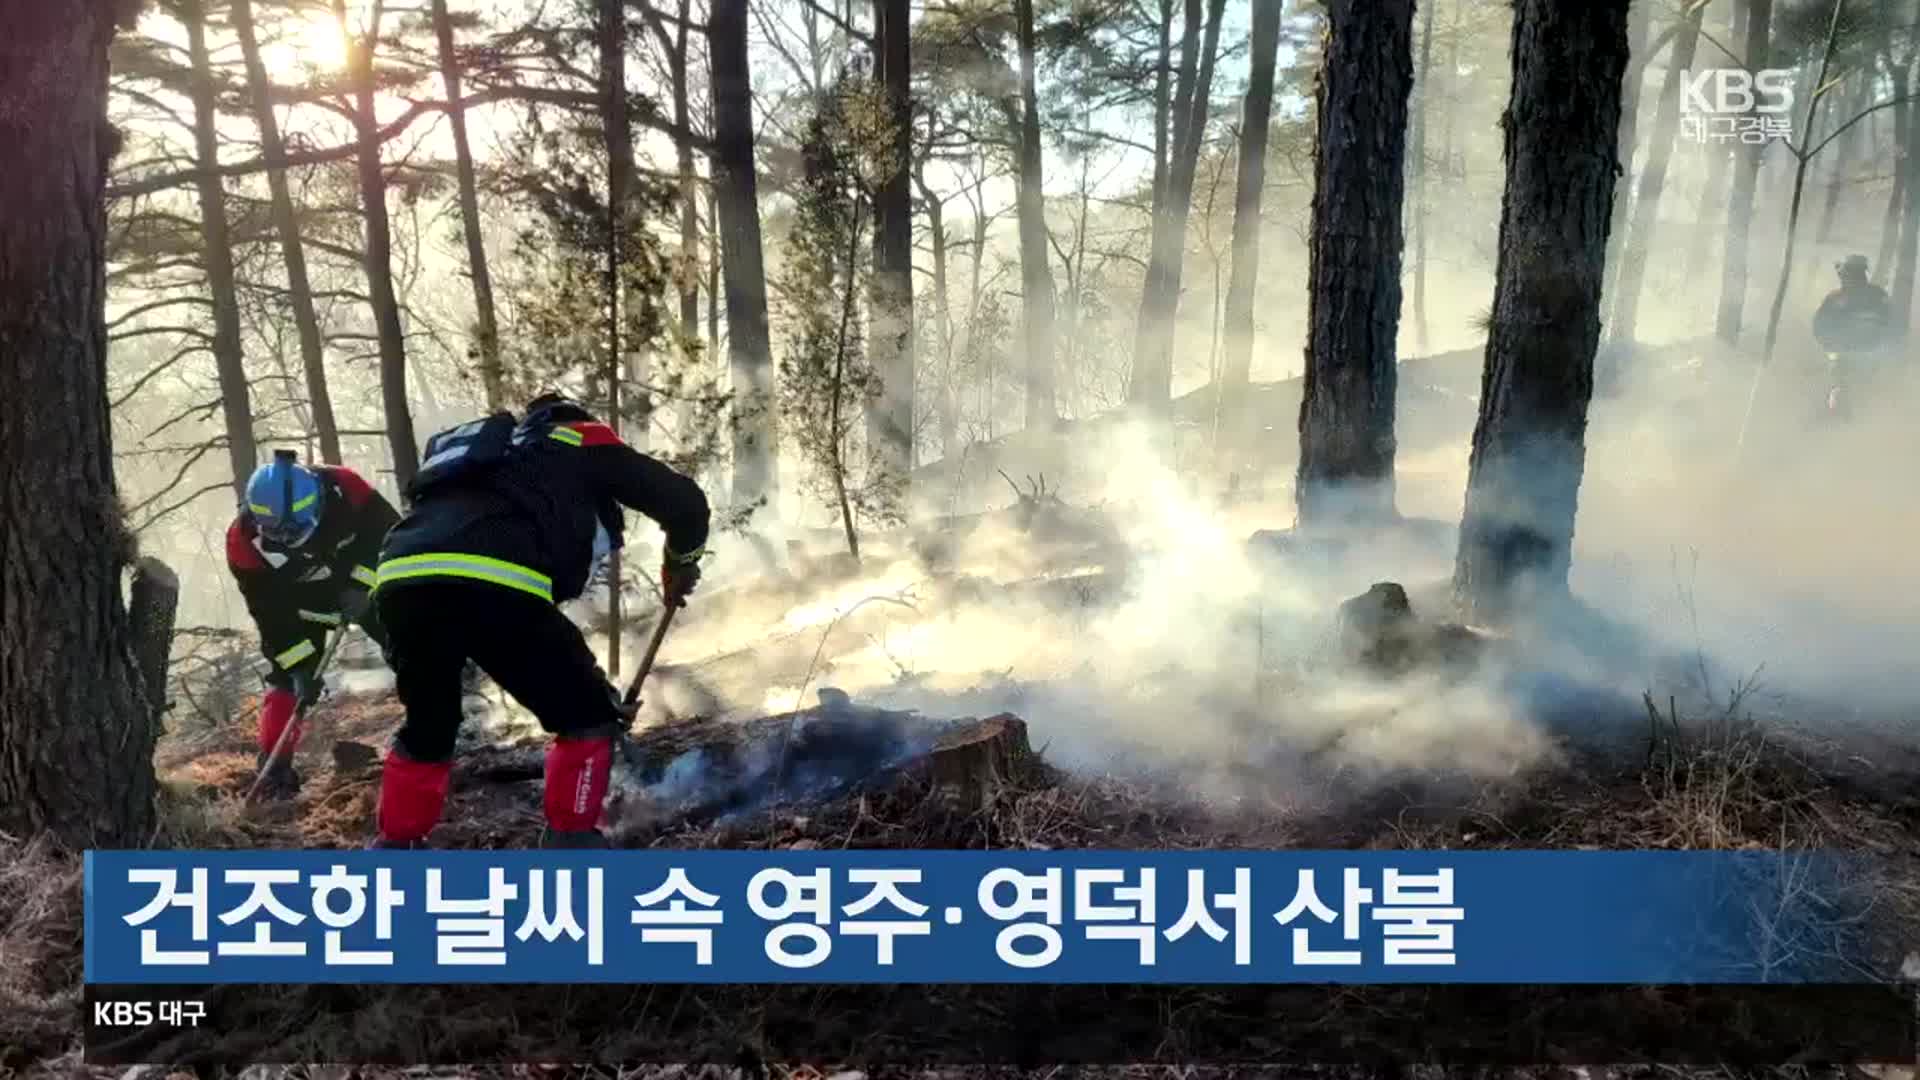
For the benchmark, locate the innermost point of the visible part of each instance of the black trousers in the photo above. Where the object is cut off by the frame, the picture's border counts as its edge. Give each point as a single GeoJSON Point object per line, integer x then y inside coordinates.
{"type": "Point", "coordinates": [369, 621]}
{"type": "Point", "coordinates": [533, 651]}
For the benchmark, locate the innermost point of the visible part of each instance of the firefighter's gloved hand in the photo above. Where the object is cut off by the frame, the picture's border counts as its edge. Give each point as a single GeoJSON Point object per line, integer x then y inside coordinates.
{"type": "Point", "coordinates": [678, 576]}
{"type": "Point", "coordinates": [620, 707]}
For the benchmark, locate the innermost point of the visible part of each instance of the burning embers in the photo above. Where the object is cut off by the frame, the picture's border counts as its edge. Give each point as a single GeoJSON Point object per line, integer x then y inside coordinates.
{"type": "Point", "coordinates": [712, 772]}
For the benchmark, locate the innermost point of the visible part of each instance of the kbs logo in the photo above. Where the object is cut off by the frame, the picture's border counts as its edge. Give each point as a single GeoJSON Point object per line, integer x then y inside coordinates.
{"type": "Point", "coordinates": [144, 1013]}
{"type": "Point", "coordinates": [1736, 91]}
{"type": "Point", "coordinates": [1735, 105]}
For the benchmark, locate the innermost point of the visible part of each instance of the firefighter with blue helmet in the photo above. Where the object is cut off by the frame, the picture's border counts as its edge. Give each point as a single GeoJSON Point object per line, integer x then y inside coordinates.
{"type": "Point", "coordinates": [303, 549]}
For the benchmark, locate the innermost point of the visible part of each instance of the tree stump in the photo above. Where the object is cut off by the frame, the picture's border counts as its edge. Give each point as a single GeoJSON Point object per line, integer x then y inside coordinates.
{"type": "Point", "coordinates": [1378, 626]}
{"type": "Point", "coordinates": [971, 765]}
{"type": "Point", "coordinates": [1380, 632]}
{"type": "Point", "coordinates": [152, 601]}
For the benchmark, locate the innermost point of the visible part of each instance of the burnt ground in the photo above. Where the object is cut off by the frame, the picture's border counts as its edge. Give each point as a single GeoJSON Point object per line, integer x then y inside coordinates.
{"type": "Point", "coordinates": [1714, 785]}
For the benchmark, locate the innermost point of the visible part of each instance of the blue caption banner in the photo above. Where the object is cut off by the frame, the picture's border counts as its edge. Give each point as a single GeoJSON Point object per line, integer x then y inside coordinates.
{"type": "Point", "coordinates": [654, 916]}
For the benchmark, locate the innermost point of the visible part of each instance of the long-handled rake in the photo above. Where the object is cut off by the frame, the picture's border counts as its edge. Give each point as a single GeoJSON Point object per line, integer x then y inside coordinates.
{"type": "Point", "coordinates": [299, 714]}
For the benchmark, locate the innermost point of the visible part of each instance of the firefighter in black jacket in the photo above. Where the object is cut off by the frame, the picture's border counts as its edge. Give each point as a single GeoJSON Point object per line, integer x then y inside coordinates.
{"type": "Point", "coordinates": [303, 549]}
{"type": "Point", "coordinates": [507, 521]}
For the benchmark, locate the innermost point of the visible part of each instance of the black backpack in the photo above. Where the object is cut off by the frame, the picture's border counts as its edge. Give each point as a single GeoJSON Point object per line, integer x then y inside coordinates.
{"type": "Point", "coordinates": [461, 453]}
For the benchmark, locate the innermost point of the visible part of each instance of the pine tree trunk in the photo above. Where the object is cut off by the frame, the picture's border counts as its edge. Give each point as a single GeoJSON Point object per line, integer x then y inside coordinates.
{"type": "Point", "coordinates": [1036, 276]}
{"type": "Point", "coordinates": [1256, 117]}
{"type": "Point", "coordinates": [1856, 102]}
{"type": "Point", "coordinates": [292, 248]}
{"type": "Point", "coordinates": [1152, 383]}
{"type": "Point", "coordinates": [236, 402]}
{"type": "Point", "coordinates": [379, 255]}
{"type": "Point", "coordinates": [1529, 443]}
{"type": "Point", "coordinates": [713, 273]}
{"type": "Point", "coordinates": [1714, 195]}
{"type": "Point", "coordinates": [945, 412]}
{"type": "Point", "coordinates": [1645, 220]}
{"type": "Point", "coordinates": [1807, 134]}
{"type": "Point", "coordinates": [890, 421]}
{"type": "Point", "coordinates": [689, 201]}
{"type": "Point", "coordinates": [1899, 76]}
{"type": "Point", "coordinates": [1746, 179]}
{"type": "Point", "coordinates": [618, 133]}
{"type": "Point", "coordinates": [1353, 276]}
{"type": "Point", "coordinates": [492, 374]}
{"type": "Point", "coordinates": [1423, 78]}
{"type": "Point", "coordinates": [1903, 277]}
{"type": "Point", "coordinates": [1162, 100]}
{"type": "Point", "coordinates": [76, 730]}
{"type": "Point", "coordinates": [1640, 54]}
{"type": "Point", "coordinates": [749, 350]}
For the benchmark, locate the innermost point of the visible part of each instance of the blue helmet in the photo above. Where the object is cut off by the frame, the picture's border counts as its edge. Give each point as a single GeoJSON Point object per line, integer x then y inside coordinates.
{"type": "Point", "coordinates": [284, 499]}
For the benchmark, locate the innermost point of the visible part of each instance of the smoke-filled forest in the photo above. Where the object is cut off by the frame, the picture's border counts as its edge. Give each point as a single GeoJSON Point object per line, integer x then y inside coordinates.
{"type": "Point", "coordinates": [1124, 423]}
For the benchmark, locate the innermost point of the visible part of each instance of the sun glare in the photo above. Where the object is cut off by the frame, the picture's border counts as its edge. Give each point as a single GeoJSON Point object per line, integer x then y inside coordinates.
{"type": "Point", "coordinates": [313, 42]}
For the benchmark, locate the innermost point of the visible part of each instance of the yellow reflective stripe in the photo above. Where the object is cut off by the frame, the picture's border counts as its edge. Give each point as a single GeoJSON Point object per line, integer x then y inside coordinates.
{"type": "Point", "coordinates": [320, 617]}
{"type": "Point", "coordinates": [690, 557]}
{"type": "Point", "coordinates": [295, 655]}
{"type": "Point", "coordinates": [566, 435]}
{"type": "Point", "coordinates": [263, 511]}
{"type": "Point", "coordinates": [476, 567]}
{"type": "Point", "coordinates": [304, 503]}
{"type": "Point", "coordinates": [365, 576]}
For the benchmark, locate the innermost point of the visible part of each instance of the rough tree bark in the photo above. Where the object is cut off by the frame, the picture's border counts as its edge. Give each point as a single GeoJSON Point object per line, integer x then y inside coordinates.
{"type": "Point", "coordinates": [236, 403]}
{"type": "Point", "coordinates": [750, 351]}
{"type": "Point", "coordinates": [293, 249]}
{"type": "Point", "coordinates": [76, 734]}
{"type": "Point", "coordinates": [492, 375]}
{"type": "Point", "coordinates": [378, 257]}
{"type": "Point", "coordinates": [1256, 117]}
{"type": "Point", "coordinates": [1353, 276]}
{"type": "Point", "coordinates": [1036, 276]}
{"type": "Point", "coordinates": [153, 598]}
{"type": "Point", "coordinates": [1746, 179]}
{"type": "Point", "coordinates": [1645, 219]}
{"type": "Point", "coordinates": [1529, 443]}
{"type": "Point", "coordinates": [1152, 383]}
{"type": "Point", "coordinates": [890, 419]}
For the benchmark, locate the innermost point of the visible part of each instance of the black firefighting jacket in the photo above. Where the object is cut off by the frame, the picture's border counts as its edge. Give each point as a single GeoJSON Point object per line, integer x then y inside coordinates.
{"type": "Point", "coordinates": [295, 596]}
{"type": "Point", "coordinates": [530, 521]}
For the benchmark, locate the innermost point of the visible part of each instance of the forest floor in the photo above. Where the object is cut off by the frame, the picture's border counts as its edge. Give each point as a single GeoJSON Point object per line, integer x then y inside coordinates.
{"type": "Point", "coordinates": [1183, 688]}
